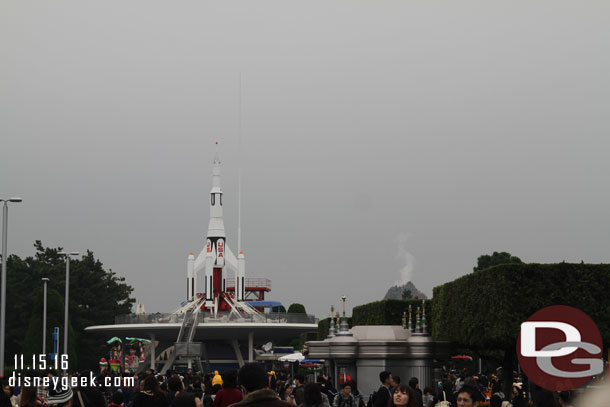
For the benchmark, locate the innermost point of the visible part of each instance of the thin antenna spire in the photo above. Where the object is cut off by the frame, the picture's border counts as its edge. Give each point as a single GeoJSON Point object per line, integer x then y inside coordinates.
{"type": "Point", "coordinates": [239, 158]}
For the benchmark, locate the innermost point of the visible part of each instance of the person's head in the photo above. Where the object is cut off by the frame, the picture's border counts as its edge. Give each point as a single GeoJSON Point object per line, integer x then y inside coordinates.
{"type": "Point", "coordinates": [395, 381]}
{"type": "Point", "coordinates": [404, 395]}
{"type": "Point", "coordinates": [252, 377]}
{"type": "Point", "coordinates": [229, 380]}
{"type": "Point", "coordinates": [299, 379]}
{"type": "Point", "coordinates": [414, 383]}
{"type": "Point", "coordinates": [6, 388]}
{"type": "Point", "coordinates": [285, 390]}
{"type": "Point", "coordinates": [346, 388]}
{"type": "Point", "coordinates": [565, 398]}
{"type": "Point", "coordinates": [60, 397]}
{"type": "Point", "coordinates": [517, 389]}
{"type": "Point", "coordinates": [428, 390]}
{"type": "Point", "coordinates": [151, 384]}
{"type": "Point", "coordinates": [312, 394]}
{"type": "Point", "coordinates": [386, 378]}
{"type": "Point", "coordinates": [174, 384]}
{"type": "Point", "coordinates": [470, 381]}
{"type": "Point", "coordinates": [28, 396]}
{"type": "Point", "coordinates": [117, 397]}
{"type": "Point", "coordinates": [467, 397]}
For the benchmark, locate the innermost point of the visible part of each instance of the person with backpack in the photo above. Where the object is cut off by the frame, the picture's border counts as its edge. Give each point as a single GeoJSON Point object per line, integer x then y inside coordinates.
{"type": "Point", "coordinates": [382, 397]}
{"type": "Point", "coordinates": [345, 398]}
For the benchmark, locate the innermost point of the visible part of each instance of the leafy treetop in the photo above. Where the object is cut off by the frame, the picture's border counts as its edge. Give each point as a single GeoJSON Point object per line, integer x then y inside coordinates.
{"type": "Point", "coordinates": [486, 261]}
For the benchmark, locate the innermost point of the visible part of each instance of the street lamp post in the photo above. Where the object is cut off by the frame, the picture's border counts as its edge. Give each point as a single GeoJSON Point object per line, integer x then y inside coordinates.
{"type": "Point", "coordinates": [3, 280]}
{"type": "Point", "coordinates": [44, 317]}
{"type": "Point", "coordinates": [66, 299]}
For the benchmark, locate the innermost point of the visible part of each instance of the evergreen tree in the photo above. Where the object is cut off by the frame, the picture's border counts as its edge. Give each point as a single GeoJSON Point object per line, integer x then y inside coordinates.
{"type": "Point", "coordinates": [96, 297]}
{"type": "Point", "coordinates": [296, 309]}
{"type": "Point", "coordinates": [32, 344]}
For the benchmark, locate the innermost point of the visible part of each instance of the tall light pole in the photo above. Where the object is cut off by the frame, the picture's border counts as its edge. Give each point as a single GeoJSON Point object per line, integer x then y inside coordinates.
{"type": "Point", "coordinates": [44, 317]}
{"type": "Point", "coordinates": [3, 280]}
{"type": "Point", "coordinates": [66, 299]}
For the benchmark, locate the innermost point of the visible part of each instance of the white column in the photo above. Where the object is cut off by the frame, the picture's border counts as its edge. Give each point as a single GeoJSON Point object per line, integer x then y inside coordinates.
{"type": "Point", "coordinates": [152, 351]}
{"type": "Point", "coordinates": [251, 346]}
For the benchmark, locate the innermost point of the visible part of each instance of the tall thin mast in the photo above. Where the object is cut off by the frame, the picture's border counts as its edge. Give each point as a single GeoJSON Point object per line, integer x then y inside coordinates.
{"type": "Point", "coordinates": [239, 158]}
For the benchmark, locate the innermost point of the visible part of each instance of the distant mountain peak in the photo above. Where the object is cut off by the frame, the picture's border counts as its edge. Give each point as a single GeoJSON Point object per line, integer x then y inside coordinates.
{"type": "Point", "coordinates": [404, 292]}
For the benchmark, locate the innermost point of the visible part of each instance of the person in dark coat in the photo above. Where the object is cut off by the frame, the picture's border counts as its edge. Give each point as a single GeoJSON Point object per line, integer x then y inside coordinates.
{"type": "Point", "coordinates": [384, 394]}
{"type": "Point", "coordinates": [414, 384]}
{"type": "Point", "coordinates": [254, 381]}
{"type": "Point", "coordinates": [151, 394]}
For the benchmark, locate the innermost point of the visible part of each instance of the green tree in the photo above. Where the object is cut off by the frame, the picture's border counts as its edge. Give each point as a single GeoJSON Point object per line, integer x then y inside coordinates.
{"type": "Point", "coordinates": [96, 296]}
{"type": "Point", "coordinates": [281, 309]}
{"type": "Point", "coordinates": [296, 309]}
{"type": "Point", "coordinates": [483, 311]}
{"type": "Point", "coordinates": [406, 294]}
{"type": "Point", "coordinates": [32, 344]}
{"type": "Point", "coordinates": [486, 261]}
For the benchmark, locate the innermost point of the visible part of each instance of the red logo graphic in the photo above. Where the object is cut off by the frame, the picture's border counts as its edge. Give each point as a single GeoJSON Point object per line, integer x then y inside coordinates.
{"type": "Point", "coordinates": [221, 246]}
{"type": "Point", "coordinates": [559, 348]}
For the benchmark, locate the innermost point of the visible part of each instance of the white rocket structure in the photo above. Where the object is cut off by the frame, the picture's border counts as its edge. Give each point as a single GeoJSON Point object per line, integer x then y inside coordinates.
{"type": "Point", "coordinates": [216, 258]}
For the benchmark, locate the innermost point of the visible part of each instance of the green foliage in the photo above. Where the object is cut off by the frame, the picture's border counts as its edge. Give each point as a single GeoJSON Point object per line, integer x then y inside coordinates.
{"type": "Point", "coordinates": [406, 294]}
{"type": "Point", "coordinates": [486, 261]}
{"type": "Point", "coordinates": [275, 309]}
{"type": "Point", "coordinates": [96, 296]}
{"type": "Point", "coordinates": [296, 309]}
{"type": "Point", "coordinates": [32, 343]}
{"type": "Point", "coordinates": [389, 312]}
{"type": "Point", "coordinates": [484, 310]}
{"type": "Point", "coordinates": [324, 326]}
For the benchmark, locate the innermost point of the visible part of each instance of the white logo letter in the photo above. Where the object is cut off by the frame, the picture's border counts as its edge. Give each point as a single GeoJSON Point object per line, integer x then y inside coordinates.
{"type": "Point", "coordinates": [528, 338]}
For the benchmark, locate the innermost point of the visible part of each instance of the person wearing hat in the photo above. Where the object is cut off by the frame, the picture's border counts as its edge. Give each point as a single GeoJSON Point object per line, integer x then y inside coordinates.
{"type": "Point", "coordinates": [217, 379]}
{"type": "Point", "coordinates": [60, 397]}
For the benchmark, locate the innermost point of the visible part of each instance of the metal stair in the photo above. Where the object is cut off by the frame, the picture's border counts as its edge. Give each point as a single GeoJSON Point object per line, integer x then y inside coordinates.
{"type": "Point", "coordinates": [184, 347]}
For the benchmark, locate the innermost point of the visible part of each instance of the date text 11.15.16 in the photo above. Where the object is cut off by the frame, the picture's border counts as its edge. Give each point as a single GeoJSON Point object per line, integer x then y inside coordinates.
{"type": "Point", "coordinates": [40, 362]}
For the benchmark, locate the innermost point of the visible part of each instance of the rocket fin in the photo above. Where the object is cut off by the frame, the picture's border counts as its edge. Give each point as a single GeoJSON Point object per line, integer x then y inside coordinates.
{"type": "Point", "coordinates": [200, 261]}
{"type": "Point", "coordinates": [230, 259]}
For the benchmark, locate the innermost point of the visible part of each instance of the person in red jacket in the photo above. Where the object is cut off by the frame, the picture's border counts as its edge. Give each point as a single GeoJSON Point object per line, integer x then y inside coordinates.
{"type": "Point", "coordinates": [229, 394]}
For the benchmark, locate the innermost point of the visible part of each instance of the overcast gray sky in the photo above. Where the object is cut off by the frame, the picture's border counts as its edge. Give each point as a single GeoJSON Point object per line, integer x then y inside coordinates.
{"type": "Point", "coordinates": [380, 139]}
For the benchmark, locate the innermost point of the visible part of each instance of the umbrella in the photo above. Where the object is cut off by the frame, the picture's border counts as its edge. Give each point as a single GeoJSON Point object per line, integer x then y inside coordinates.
{"type": "Point", "coordinates": [462, 357]}
{"type": "Point", "coordinates": [293, 357]}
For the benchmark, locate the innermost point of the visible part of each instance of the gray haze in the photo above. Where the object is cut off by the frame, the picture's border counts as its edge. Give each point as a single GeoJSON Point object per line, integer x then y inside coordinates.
{"type": "Point", "coordinates": [381, 139]}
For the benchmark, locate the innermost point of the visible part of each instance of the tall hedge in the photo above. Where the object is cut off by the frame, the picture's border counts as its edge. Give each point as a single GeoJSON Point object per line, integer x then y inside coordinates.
{"type": "Point", "coordinates": [389, 312]}
{"type": "Point", "coordinates": [484, 309]}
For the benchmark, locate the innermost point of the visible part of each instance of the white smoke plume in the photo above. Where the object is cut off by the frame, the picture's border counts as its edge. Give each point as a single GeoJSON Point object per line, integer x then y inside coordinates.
{"type": "Point", "coordinates": [406, 259]}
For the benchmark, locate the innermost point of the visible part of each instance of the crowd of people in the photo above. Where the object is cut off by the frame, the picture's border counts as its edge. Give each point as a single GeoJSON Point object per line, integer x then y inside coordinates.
{"type": "Point", "coordinates": [464, 391]}
{"type": "Point", "coordinates": [253, 386]}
